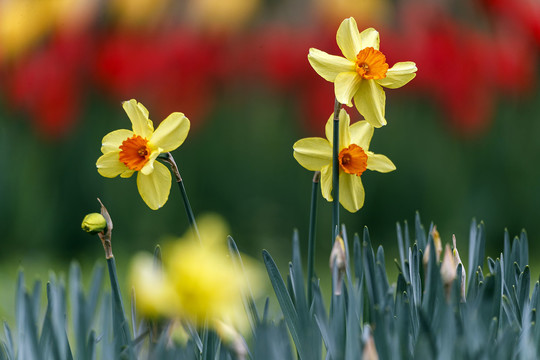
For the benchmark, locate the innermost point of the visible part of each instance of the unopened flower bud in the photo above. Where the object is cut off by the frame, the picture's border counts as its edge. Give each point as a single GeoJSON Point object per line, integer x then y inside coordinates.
{"type": "Point", "coordinates": [94, 223]}
{"type": "Point", "coordinates": [370, 351]}
{"type": "Point", "coordinates": [231, 338]}
{"type": "Point", "coordinates": [338, 261]}
{"type": "Point", "coordinates": [448, 269]}
{"type": "Point", "coordinates": [438, 246]}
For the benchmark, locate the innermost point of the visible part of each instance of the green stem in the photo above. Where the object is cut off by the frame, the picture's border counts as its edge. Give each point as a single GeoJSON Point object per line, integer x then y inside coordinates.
{"type": "Point", "coordinates": [335, 171]}
{"type": "Point", "coordinates": [120, 324]}
{"type": "Point", "coordinates": [168, 158]}
{"type": "Point", "coordinates": [311, 241]}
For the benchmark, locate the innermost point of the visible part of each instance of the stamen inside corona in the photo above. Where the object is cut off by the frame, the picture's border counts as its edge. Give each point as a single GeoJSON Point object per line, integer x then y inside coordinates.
{"type": "Point", "coordinates": [371, 64]}
{"type": "Point", "coordinates": [134, 152]}
{"type": "Point", "coordinates": [353, 160]}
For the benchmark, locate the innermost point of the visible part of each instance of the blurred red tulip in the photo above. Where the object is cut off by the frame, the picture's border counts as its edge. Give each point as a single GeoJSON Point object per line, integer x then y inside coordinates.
{"type": "Point", "coordinates": [47, 83]}
{"type": "Point", "coordinates": [463, 68]}
{"type": "Point", "coordinates": [524, 14]}
{"type": "Point", "coordinates": [169, 71]}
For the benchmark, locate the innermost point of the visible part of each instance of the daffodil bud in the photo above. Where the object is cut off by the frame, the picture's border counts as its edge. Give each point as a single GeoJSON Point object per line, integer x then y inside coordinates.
{"type": "Point", "coordinates": [438, 247]}
{"type": "Point", "coordinates": [94, 223]}
{"type": "Point", "coordinates": [231, 338]}
{"type": "Point", "coordinates": [448, 269]}
{"type": "Point", "coordinates": [338, 263]}
{"type": "Point", "coordinates": [370, 351]}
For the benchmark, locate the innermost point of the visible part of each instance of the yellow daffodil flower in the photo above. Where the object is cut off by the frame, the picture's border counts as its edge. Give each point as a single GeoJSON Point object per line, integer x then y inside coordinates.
{"type": "Point", "coordinates": [354, 157]}
{"type": "Point", "coordinates": [199, 281]}
{"type": "Point", "coordinates": [362, 72]}
{"type": "Point", "coordinates": [127, 151]}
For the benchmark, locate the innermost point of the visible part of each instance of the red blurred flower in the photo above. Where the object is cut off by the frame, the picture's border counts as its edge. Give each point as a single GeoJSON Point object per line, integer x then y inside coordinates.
{"type": "Point", "coordinates": [281, 62]}
{"type": "Point", "coordinates": [47, 83]}
{"type": "Point", "coordinates": [463, 68]}
{"type": "Point", "coordinates": [172, 70]}
{"type": "Point", "coordinates": [524, 14]}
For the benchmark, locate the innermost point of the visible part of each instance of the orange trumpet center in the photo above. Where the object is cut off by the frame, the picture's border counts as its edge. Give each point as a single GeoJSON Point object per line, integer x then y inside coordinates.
{"type": "Point", "coordinates": [134, 152]}
{"type": "Point", "coordinates": [371, 64]}
{"type": "Point", "coordinates": [353, 160]}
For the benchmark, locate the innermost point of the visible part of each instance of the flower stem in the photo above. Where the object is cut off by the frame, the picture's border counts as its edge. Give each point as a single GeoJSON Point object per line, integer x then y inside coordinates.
{"type": "Point", "coordinates": [168, 158]}
{"type": "Point", "coordinates": [120, 324]}
{"type": "Point", "coordinates": [311, 241]}
{"type": "Point", "coordinates": [335, 171]}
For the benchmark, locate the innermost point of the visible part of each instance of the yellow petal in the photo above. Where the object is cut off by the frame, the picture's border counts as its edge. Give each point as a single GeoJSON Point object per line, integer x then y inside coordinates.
{"type": "Point", "coordinates": [109, 166]}
{"type": "Point", "coordinates": [369, 38]}
{"type": "Point", "coordinates": [149, 166]}
{"type": "Point", "coordinates": [380, 163]}
{"type": "Point", "coordinates": [155, 294]}
{"type": "Point", "coordinates": [113, 140]}
{"type": "Point", "coordinates": [313, 153]}
{"type": "Point", "coordinates": [326, 182]}
{"type": "Point", "coordinates": [328, 66]}
{"type": "Point", "coordinates": [171, 133]}
{"type": "Point", "coordinates": [398, 75]}
{"type": "Point", "coordinates": [348, 39]}
{"type": "Point", "coordinates": [370, 101]}
{"type": "Point", "coordinates": [155, 188]}
{"type": "Point", "coordinates": [361, 134]}
{"type": "Point", "coordinates": [344, 133]}
{"type": "Point", "coordinates": [138, 115]}
{"type": "Point", "coordinates": [127, 173]}
{"type": "Point", "coordinates": [351, 192]}
{"type": "Point", "coordinates": [346, 85]}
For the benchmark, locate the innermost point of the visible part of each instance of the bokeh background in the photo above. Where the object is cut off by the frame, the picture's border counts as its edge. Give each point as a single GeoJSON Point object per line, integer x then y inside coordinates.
{"type": "Point", "coordinates": [464, 134]}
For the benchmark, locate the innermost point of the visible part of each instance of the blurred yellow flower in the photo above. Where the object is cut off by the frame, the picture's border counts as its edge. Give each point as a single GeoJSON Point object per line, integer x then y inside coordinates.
{"type": "Point", "coordinates": [362, 72]}
{"type": "Point", "coordinates": [365, 11]}
{"type": "Point", "coordinates": [219, 16]}
{"type": "Point", "coordinates": [23, 23]}
{"type": "Point", "coordinates": [125, 151]}
{"type": "Point", "coordinates": [354, 157]}
{"type": "Point", "coordinates": [154, 293]}
{"type": "Point", "coordinates": [199, 281]}
{"type": "Point", "coordinates": [138, 12]}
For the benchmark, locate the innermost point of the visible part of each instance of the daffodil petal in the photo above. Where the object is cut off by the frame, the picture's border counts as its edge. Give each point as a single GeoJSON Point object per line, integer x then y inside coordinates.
{"type": "Point", "coordinates": [346, 85]}
{"type": "Point", "coordinates": [328, 66]}
{"type": "Point", "coordinates": [113, 140]}
{"type": "Point", "coordinates": [109, 165]}
{"type": "Point", "coordinates": [326, 182]}
{"type": "Point", "coordinates": [380, 163]}
{"type": "Point", "coordinates": [361, 134]}
{"type": "Point", "coordinates": [138, 115]}
{"type": "Point", "coordinates": [127, 173]}
{"type": "Point", "coordinates": [154, 188]}
{"type": "Point", "coordinates": [149, 166]}
{"type": "Point", "coordinates": [351, 192]}
{"type": "Point", "coordinates": [344, 134]}
{"type": "Point", "coordinates": [348, 39]}
{"type": "Point", "coordinates": [370, 101]}
{"type": "Point", "coordinates": [369, 38]}
{"type": "Point", "coordinates": [171, 133]}
{"type": "Point", "coordinates": [398, 75]}
{"type": "Point", "coordinates": [313, 153]}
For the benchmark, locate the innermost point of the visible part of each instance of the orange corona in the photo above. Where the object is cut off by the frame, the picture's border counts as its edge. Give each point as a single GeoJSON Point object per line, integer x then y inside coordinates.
{"type": "Point", "coordinates": [371, 64]}
{"type": "Point", "coordinates": [353, 160]}
{"type": "Point", "coordinates": [134, 152]}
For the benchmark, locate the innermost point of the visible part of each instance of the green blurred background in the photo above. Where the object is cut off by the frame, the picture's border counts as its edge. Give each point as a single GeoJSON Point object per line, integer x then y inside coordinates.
{"type": "Point", "coordinates": [463, 135]}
